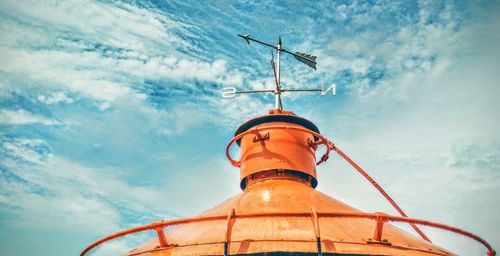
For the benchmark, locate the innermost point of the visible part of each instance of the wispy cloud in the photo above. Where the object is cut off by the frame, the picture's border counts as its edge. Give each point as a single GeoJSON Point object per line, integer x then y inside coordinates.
{"type": "Point", "coordinates": [43, 191]}
{"type": "Point", "coordinates": [428, 127]}
{"type": "Point", "coordinates": [102, 53]}
{"type": "Point", "coordinates": [55, 98]}
{"type": "Point", "coordinates": [102, 104]}
{"type": "Point", "coordinates": [73, 189]}
{"type": "Point", "coordinates": [21, 116]}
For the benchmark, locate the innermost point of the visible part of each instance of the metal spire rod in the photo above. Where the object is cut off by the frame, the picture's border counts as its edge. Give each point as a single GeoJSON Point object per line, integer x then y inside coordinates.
{"type": "Point", "coordinates": [277, 90]}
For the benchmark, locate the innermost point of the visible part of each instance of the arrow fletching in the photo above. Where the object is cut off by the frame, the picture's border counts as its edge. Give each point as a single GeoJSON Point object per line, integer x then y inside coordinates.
{"type": "Point", "coordinates": [305, 58]}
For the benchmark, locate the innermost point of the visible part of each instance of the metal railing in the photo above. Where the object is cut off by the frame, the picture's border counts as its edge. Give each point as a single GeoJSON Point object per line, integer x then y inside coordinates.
{"type": "Point", "coordinates": [379, 218]}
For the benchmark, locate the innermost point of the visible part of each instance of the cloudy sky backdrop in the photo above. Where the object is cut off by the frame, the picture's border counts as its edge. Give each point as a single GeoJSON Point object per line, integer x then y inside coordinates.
{"type": "Point", "coordinates": [111, 112]}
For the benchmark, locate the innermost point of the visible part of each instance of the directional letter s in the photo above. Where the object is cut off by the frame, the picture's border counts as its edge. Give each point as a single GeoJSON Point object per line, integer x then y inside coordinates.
{"type": "Point", "coordinates": [228, 92]}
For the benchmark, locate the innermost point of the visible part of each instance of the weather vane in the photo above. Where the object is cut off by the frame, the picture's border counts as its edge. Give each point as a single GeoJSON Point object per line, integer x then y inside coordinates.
{"type": "Point", "coordinates": [308, 59]}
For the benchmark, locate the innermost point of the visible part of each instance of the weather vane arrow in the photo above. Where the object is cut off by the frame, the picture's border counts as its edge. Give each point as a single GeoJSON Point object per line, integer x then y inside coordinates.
{"type": "Point", "coordinates": [308, 59]}
{"type": "Point", "coordinates": [305, 58]}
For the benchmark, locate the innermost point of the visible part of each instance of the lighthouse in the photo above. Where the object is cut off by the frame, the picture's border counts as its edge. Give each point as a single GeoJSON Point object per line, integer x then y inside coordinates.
{"type": "Point", "coordinates": [279, 211]}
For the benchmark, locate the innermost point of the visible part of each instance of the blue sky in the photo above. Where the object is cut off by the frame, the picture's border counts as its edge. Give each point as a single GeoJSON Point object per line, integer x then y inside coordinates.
{"type": "Point", "coordinates": [111, 113]}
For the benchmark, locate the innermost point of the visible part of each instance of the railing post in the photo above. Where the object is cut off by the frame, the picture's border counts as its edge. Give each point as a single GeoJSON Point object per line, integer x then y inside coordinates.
{"type": "Point", "coordinates": [227, 236]}
{"type": "Point", "coordinates": [161, 237]}
{"type": "Point", "coordinates": [315, 220]}
{"type": "Point", "coordinates": [379, 226]}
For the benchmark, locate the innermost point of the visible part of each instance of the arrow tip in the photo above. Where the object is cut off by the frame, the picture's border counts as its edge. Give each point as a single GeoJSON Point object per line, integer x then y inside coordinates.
{"type": "Point", "coordinates": [246, 37]}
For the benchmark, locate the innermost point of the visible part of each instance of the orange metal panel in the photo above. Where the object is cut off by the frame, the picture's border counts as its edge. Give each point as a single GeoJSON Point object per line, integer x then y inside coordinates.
{"type": "Point", "coordinates": [287, 234]}
{"type": "Point", "coordinates": [283, 149]}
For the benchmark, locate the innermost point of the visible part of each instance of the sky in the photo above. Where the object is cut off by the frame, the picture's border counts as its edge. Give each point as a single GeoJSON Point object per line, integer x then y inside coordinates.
{"type": "Point", "coordinates": [111, 112]}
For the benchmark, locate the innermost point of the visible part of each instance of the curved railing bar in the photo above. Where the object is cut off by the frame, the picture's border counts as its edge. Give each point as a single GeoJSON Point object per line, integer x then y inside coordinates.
{"type": "Point", "coordinates": [151, 226]}
{"type": "Point", "coordinates": [322, 140]}
{"type": "Point", "coordinates": [373, 216]}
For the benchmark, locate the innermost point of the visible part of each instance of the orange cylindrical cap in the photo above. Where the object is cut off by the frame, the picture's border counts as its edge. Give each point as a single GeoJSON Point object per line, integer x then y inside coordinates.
{"type": "Point", "coordinates": [282, 149]}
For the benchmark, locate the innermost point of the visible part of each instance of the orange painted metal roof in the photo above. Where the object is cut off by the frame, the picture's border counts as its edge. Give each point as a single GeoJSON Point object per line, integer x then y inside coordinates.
{"type": "Point", "coordinates": [287, 234]}
{"type": "Point", "coordinates": [279, 209]}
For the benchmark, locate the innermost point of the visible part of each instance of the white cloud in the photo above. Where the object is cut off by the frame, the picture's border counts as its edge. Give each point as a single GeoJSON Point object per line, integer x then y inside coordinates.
{"type": "Point", "coordinates": [52, 193]}
{"type": "Point", "coordinates": [22, 117]}
{"type": "Point", "coordinates": [57, 212]}
{"type": "Point", "coordinates": [105, 54]}
{"type": "Point", "coordinates": [408, 129]}
{"type": "Point", "coordinates": [98, 50]}
{"type": "Point", "coordinates": [426, 133]}
{"type": "Point", "coordinates": [55, 98]}
{"type": "Point", "coordinates": [55, 190]}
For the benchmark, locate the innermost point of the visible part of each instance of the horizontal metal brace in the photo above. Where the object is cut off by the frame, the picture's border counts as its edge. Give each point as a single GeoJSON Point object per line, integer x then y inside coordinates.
{"type": "Point", "coordinates": [254, 91]}
{"type": "Point", "coordinates": [301, 90]}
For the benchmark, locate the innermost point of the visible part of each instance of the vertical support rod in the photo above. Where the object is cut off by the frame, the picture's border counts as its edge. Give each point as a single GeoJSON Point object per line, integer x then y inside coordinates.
{"type": "Point", "coordinates": [315, 220]}
{"type": "Point", "coordinates": [379, 227]}
{"type": "Point", "coordinates": [161, 237]}
{"type": "Point", "coordinates": [277, 90]}
{"type": "Point", "coordinates": [227, 235]}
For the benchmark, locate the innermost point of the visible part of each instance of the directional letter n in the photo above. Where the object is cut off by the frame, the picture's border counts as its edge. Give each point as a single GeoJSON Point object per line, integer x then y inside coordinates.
{"type": "Point", "coordinates": [332, 87]}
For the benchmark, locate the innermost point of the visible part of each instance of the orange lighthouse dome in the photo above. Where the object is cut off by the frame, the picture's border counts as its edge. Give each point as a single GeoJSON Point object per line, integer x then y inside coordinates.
{"type": "Point", "coordinates": [279, 211]}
